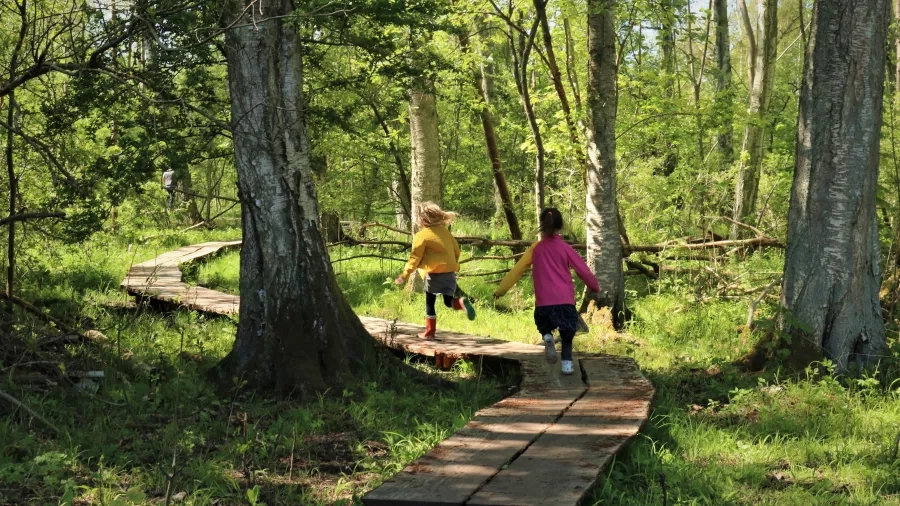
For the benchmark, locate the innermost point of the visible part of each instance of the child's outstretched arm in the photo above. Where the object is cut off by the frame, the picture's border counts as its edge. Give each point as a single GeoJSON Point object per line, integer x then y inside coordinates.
{"type": "Point", "coordinates": [582, 270]}
{"type": "Point", "coordinates": [415, 256]}
{"type": "Point", "coordinates": [514, 275]}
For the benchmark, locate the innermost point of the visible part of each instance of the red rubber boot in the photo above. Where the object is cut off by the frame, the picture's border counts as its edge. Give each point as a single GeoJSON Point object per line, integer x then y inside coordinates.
{"type": "Point", "coordinates": [430, 328]}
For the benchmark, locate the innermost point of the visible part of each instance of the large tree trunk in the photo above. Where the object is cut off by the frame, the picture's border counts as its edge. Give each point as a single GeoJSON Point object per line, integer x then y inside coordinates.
{"type": "Point", "coordinates": [723, 84]}
{"type": "Point", "coordinates": [604, 249]}
{"type": "Point", "coordinates": [832, 265]}
{"type": "Point", "coordinates": [296, 332]}
{"type": "Point", "coordinates": [484, 83]}
{"type": "Point", "coordinates": [753, 149]}
{"type": "Point", "coordinates": [426, 149]}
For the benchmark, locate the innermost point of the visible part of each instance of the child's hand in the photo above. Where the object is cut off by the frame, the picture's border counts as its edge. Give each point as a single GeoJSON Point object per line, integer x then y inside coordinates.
{"type": "Point", "coordinates": [399, 281]}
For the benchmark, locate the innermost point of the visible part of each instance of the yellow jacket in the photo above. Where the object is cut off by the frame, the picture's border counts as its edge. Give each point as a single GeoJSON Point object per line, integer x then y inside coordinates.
{"type": "Point", "coordinates": [433, 250]}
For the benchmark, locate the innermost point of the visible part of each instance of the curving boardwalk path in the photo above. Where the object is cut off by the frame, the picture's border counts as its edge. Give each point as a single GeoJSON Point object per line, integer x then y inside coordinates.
{"type": "Point", "coordinates": [545, 445]}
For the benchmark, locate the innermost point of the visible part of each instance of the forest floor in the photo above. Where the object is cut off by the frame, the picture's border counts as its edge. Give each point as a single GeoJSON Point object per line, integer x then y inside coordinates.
{"type": "Point", "coordinates": [717, 434]}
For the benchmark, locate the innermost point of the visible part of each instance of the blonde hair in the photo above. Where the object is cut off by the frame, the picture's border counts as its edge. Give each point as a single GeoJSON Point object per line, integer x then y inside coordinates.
{"type": "Point", "coordinates": [428, 214]}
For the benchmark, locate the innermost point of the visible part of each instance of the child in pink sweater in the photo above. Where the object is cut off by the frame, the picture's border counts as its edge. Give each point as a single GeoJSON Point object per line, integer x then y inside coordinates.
{"type": "Point", "coordinates": [554, 293]}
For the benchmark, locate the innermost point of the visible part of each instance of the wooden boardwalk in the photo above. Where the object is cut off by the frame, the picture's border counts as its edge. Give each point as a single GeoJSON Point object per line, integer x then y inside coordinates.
{"type": "Point", "coordinates": [545, 445]}
{"type": "Point", "coordinates": [160, 279]}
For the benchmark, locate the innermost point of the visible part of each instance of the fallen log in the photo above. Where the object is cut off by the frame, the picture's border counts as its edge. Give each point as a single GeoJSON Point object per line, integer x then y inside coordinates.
{"type": "Point", "coordinates": [758, 242]}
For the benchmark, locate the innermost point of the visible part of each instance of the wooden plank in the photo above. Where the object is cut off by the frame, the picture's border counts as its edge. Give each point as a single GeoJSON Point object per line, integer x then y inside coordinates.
{"type": "Point", "coordinates": [566, 460]}
{"type": "Point", "coordinates": [451, 472]}
{"type": "Point", "coordinates": [455, 344]}
{"type": "Point", "coordinates": [161, 278]}
{"type": "Point", "coordinates": [545, 445]}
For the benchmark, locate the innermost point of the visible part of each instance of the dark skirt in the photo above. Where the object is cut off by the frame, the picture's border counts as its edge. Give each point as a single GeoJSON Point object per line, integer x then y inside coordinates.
{"type": "Point", "coordinates": [443, 283]}
{"type": "Point", "coordinates": [561, 316]}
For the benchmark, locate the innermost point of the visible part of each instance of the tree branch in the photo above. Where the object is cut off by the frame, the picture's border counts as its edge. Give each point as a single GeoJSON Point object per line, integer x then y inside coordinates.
{"type": "Point", "coordinates": [31, 216]}
{"type": "Point", "coordinates": [16, 402]}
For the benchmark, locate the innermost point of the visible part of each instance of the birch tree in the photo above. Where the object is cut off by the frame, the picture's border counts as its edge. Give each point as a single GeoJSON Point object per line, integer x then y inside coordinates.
{"type": "Point", "coordinates": [763, 45]}
{"type": "Point", "coordinates": [604, 247]}
{"type": "Point", "coordinates": [296, 333]}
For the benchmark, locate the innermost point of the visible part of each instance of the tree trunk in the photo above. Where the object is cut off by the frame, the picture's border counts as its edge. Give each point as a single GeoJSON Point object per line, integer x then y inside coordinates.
{"type": "Point", "coordinates": [666, 40]}
{"type": "Point", "coordinates": [604, 249]}
{"type": "Point", "coordinates": [832, 265]}
{"type": "Point", "coordinates": [296, 332]}
{"type": "Point", "coordinates": [570, 64]}
{"type": "Point", "coordinates": [483, 82]}
{"type": "Point", "coordinates": [896, 50]}
{"type": "Point", "coordinates": [399, 189]}
{"type": "Point", "coordinates": [723, 84]}
{"type": "Point", "coordinates": [754, 146]}
{"type": "Point", "coordinates": [426, 149]}
{"type": "Point", "coordinates": [521, 55]}
{"type": "Point", "coordinates": [401, 198]}
{"type": "Point", "coordinates": [13, 194]}
{"type": "Point", "coordinates": [555, 75]}
{"type": "Point", "coordinates": [188, 187]}
{"type": "Point", "coordinates": [331, 228]}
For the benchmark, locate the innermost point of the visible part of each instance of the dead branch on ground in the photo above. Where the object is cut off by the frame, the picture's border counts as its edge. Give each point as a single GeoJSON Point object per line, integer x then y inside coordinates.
{"type": "Point", "coordinates": [752, 309]}
{"type": "Point", "coordinates": [758, 242]}
{"type": "Point", "coordinates": [36, 311]}
{"type": "Point", "coordinates": [367, 256]}
{"type": "Point", "coordinates": [16, 402]}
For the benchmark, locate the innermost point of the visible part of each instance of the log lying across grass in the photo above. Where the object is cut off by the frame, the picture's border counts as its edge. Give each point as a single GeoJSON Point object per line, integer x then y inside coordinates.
{"type": "Point", "coordinates": [755, 242]}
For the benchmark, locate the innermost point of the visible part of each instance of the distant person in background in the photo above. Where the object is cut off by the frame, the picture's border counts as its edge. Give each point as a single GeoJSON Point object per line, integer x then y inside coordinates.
{"type": "Point", "coordinates": [168, 182]}
{"type": "Point", "coordinates": [554, 293]}
{"type": "Point", "coordinates": [435, 253]}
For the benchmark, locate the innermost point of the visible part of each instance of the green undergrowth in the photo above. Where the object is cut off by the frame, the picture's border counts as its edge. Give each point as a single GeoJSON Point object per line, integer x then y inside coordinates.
{"type": "Point", "coordinates": [156, 423]}
{"type": "Point", "coordinates": [716, 435]}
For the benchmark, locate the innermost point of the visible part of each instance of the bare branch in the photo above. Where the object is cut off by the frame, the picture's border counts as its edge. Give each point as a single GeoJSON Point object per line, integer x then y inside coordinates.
{"type": "Point", "coordinates": [31, 216]}
{"type": "Point", "coordinates": [16, 402]}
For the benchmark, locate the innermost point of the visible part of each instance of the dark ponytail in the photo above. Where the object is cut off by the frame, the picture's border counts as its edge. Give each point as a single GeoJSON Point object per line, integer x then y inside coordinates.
{"type": "Point", "coordinates": [551, 222]}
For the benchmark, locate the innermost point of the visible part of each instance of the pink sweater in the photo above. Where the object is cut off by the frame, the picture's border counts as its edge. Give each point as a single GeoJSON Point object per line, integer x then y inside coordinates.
{"type": "Point", "coordinates": [551, 260]}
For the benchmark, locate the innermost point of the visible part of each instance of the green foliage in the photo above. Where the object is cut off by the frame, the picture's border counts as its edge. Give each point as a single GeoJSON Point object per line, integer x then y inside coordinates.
{"type": "Point", "coordinates": [155, 402]}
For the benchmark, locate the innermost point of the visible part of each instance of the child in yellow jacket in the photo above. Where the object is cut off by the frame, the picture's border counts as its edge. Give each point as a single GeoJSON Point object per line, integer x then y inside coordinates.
{"type": "Point", "coordinates": [435, 253]}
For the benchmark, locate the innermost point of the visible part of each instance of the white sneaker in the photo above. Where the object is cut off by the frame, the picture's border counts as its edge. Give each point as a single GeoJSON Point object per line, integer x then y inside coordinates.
{"type": "Point", "coordinates": [567, 367]}
{"type": "Point", "coordinates": [549, 349]}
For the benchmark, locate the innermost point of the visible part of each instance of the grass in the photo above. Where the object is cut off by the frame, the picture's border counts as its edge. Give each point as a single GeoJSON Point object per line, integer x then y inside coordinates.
{"type": "Point", "coordinates": [155, 406]}
{"type": "Point", "coordinates": [717, 435]}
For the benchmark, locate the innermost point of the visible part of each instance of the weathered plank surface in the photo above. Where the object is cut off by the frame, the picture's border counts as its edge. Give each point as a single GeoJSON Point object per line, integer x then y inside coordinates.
{"type": "Point", "coordinates": [546, 445]}
{"type": "Point", "coordinates": [565, 461]}
{"type": "Point", "coordinates": [455, 344]}
{"type": "Point", "coordinates": [455, 469]}
{"type": "Point", "coordinates": [161, 278]}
